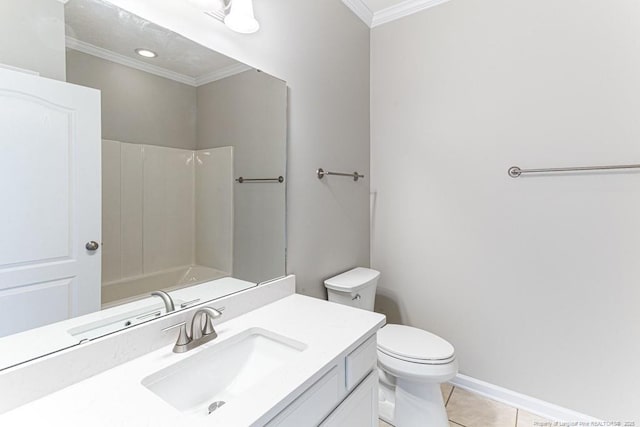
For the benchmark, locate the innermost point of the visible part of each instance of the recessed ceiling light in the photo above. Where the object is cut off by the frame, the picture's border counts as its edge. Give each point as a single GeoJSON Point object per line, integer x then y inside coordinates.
{"type": "Point", "coordinates": [146, 53]}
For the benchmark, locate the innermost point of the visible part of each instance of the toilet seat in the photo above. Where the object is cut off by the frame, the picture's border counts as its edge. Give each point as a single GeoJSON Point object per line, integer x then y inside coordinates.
{"type": "Point", "coordinates": [414, 345]}
{"type": "Point", "coordinates": [420, 372]}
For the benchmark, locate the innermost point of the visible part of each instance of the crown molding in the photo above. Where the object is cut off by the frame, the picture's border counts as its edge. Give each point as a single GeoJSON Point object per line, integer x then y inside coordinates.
{"type": "Point", "coordinates": [64, 1]}
{"type": "Point", "coordinates": [221, 74]}
{"type": "Point", "coordinates": [361, 10]}
{"type": "Point", "coordinates": [400, 10]}
{"type": "Point", "coordinates": [90, 49]}
{"type": "Point", "coordinates": [108, 55]}
{"type": "Point", "coordinates": [405, 8]}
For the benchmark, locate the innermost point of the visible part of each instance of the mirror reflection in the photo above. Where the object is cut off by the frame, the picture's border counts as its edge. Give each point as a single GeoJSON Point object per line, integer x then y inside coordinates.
{"type": "Point", "coordinates": [191, 183]}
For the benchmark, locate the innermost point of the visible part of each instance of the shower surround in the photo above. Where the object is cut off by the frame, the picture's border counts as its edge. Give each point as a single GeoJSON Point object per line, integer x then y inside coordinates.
{"type": "Point", "coordinates": [164, 209]}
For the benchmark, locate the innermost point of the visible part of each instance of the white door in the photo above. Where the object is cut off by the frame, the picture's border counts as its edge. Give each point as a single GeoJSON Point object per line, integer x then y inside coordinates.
{"type": "Point", "coordinates": [50, 201]}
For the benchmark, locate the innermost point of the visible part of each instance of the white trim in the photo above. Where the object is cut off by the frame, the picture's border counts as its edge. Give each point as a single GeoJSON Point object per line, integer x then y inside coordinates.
{"type": "Point", "coordinates": [361, 10]}
{"type": "Point", "coordinates": [64, 1]}
{"type": "Point", "coordinates": [405, 8]}
{"type": "Point", "coordinates": [108, 55]}
{"type": "Point", "coordinates": [221, 73]}
{"type": "Point", "coordinates": [391, 13]}
{"type": "Point", "coordinates": [535, 406]}
{"type": "Point", "coordinates": [126, 61]}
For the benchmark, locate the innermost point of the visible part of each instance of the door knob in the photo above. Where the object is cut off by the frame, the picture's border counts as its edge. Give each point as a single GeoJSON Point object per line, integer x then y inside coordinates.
{"type": "Point", "coordinates": [92, 246]}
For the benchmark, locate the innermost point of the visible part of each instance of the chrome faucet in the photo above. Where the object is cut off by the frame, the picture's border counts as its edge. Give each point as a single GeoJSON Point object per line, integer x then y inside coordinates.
{"type": "Point", "coordinates": [200, 333]}
{"type": "Point", "coordinates": [168, 302]}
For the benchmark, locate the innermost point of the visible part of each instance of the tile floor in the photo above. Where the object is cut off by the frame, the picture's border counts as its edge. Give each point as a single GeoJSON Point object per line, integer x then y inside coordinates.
{"type": "Point", "coordinates": [471, 410]}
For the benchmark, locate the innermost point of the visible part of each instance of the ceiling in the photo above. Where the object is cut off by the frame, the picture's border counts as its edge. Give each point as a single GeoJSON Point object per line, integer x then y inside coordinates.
{"type": "Point", "coordinates": [100, 28]}
{"type": "Point", "coordinates": [378, 12]}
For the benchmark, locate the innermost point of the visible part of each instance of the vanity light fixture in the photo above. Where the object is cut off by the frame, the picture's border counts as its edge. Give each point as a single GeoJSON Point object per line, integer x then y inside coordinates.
{"type": "Point", "coordinates": [240, 17]}
{"type": "Point", "coordinates": [146, 53]}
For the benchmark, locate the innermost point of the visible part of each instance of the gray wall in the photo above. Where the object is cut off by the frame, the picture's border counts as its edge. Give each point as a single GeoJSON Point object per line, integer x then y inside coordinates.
{"type": "Point", "coordinates": [249, 112]}
{"type": "Point", "coordinates": [32, 36]}
{"type": "Point", "coordinates": [321, 49]}
{"type": "Point", "coordinates": [138, 107]}
{"type": "Point", "coordinates": [536, 281]}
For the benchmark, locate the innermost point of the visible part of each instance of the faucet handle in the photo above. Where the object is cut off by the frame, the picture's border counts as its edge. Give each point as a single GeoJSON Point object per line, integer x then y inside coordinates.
{"type": "Point", "coordinates": [177, 325]}
{"type": "Point", "coordinates": [208, 327]}
{"type": "Point", "coordinates": [183, 336]}
{"type": "Point", "coordinates": [216, 312]}
{"type": "Point", "coordinates": [208, 323]}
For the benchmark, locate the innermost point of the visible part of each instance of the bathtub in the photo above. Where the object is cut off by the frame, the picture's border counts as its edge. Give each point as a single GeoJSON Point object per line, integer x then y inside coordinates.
{"type": "Point", "coordinates": [133, 288]}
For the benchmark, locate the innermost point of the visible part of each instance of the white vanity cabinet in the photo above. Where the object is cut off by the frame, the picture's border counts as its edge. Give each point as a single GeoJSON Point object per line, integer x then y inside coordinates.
{"type": "Point", "coordinates": [328, 374]}
{"type": "Point", "coordinates": [347, 395]}
{"type": "Point", "coordinates": [360, 408]}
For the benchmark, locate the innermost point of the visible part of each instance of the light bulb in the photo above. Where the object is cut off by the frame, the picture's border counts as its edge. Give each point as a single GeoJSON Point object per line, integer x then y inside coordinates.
{"type": "Point", "coordinates": [240, 18]}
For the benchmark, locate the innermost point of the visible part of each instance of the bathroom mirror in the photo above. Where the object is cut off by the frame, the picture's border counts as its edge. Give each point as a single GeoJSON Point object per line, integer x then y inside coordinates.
{"type": "Point", "coordinates": [193, 177]}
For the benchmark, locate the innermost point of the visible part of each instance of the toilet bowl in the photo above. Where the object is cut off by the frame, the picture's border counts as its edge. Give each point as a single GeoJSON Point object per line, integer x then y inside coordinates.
{"type": "Point", "coordinates": [412, 363]}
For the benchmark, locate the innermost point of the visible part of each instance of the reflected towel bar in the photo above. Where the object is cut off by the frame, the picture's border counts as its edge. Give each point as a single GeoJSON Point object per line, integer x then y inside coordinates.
{"type": "Point", "coordinates": [242, 180]}
{"type": "Point", "coordinates": [321, 174]}
{"type": "Point", "coordinates": [515, 172]}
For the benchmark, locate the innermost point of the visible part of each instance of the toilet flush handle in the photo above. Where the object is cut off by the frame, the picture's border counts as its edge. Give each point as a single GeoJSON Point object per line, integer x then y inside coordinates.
{"type": "Point", "coordinates": [356, 298]}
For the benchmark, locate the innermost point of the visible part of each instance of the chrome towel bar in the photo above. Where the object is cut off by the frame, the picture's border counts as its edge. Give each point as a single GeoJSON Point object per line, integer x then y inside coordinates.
{"type": "Point", "coordinates": [515, 172]}
{"type": "Point", "coordinates": [242, 180]}
{"type": "Point", "coordinates": [322, 173]}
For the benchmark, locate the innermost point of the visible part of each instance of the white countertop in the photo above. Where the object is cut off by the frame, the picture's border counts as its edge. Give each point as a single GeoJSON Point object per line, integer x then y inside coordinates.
{"type": "Point", "coordinates": [117, 397]}
{"type": "Point", "coordinates": [36, 342]}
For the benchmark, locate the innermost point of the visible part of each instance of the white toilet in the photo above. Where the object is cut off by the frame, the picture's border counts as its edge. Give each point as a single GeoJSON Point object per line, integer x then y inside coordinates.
{"type": "Point", "coordinates": [412, 363]}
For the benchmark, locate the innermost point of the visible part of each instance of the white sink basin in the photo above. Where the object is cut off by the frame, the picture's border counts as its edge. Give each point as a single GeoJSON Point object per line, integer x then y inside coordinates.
{"type": "Point", "coordinates": [222, 371]}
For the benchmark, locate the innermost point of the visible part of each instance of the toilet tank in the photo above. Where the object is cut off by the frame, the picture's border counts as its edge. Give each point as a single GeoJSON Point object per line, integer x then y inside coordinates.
{"type": "Point", "coordinates": [356, 288]}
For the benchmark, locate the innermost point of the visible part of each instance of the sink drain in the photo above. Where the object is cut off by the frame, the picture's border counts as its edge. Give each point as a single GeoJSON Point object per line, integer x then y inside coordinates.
{"type": "Point", "coordinates": [216, 405]}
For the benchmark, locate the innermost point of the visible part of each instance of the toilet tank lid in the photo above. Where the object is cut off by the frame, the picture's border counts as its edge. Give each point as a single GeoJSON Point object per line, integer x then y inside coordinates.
{"type": "Point", "coordinates": [352, 280]}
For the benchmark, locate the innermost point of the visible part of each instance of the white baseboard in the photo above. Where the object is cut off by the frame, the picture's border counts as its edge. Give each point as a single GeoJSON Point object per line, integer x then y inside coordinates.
{"type": "Point", "coordinates": [530, 404]}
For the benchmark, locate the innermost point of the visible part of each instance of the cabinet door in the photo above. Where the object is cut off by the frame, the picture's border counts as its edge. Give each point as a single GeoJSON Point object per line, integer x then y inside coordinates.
{"type": "Point", "coordinates": [360, 408]}
{"type": "Point", "coordinates": [313, 405]}
{"type": "Point", "coordinates": [49, 201]}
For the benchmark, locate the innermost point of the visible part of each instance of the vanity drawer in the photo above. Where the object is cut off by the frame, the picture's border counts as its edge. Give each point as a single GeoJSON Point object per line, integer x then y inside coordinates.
{"type": "Point", "coordinates": [360, 362]}
{"type": "Point", "coordinates": [313, 405]}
